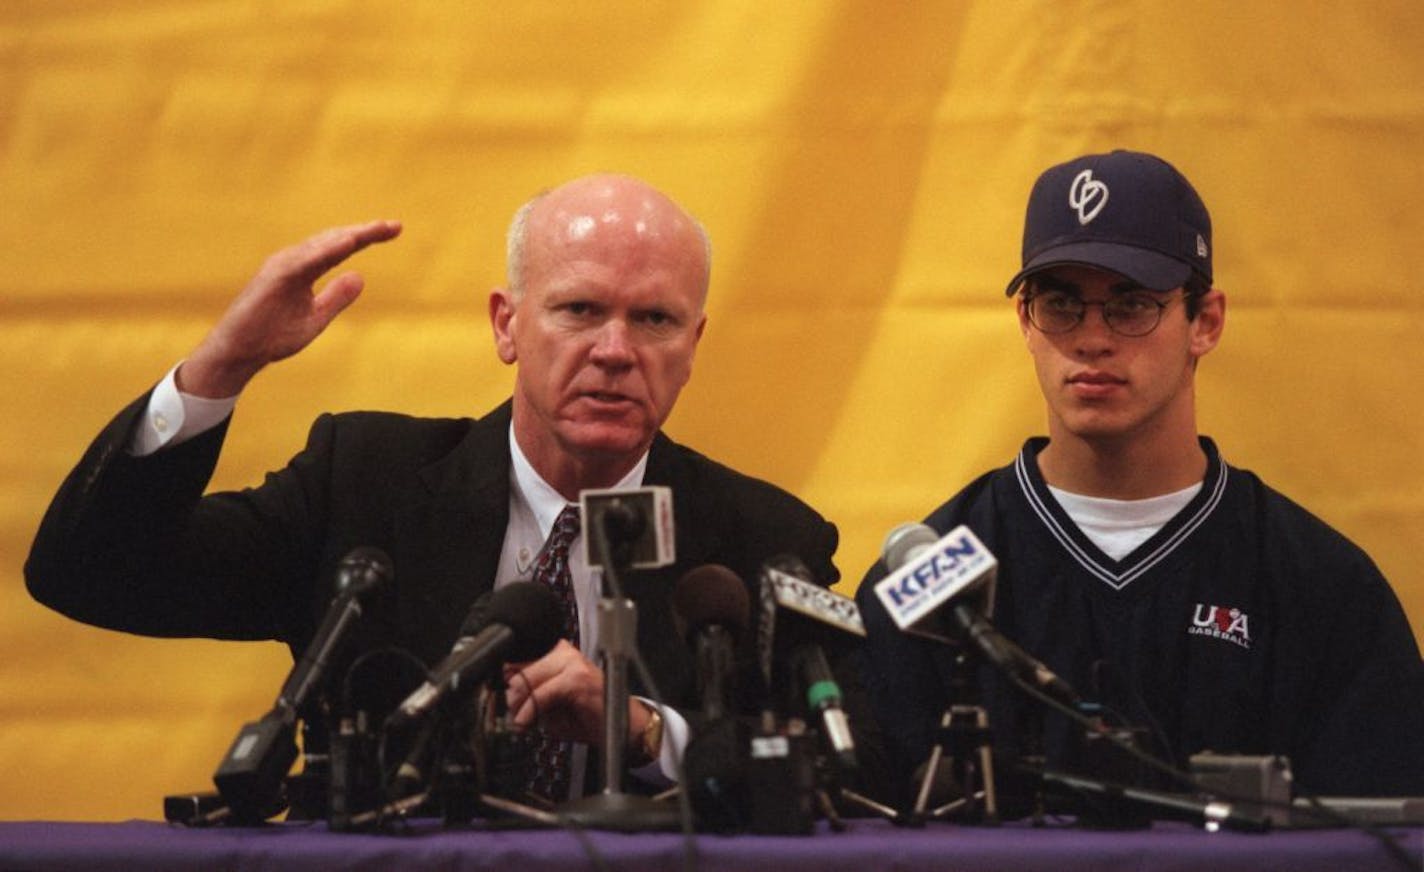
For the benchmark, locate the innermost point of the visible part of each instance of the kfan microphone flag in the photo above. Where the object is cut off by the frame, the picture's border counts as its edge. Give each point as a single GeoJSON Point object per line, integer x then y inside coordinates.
{"type": "Point", "coordinates": [955, 567]}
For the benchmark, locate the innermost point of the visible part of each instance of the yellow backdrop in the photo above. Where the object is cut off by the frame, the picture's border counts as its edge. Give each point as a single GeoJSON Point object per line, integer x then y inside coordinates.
{"type": "Point", "coordinates": [862, 167]}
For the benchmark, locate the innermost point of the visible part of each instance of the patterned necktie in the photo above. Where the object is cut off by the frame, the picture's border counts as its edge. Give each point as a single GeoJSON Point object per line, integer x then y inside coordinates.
{"type": "Point", "coordinates": [550, 775]}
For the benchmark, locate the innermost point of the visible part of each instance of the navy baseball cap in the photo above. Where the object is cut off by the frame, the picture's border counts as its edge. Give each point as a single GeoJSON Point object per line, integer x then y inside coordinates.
{"type": "Point", "coordinates": [1125, 211]}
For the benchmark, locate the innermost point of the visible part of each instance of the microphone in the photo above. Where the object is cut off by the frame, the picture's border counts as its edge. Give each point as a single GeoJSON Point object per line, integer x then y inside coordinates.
{"type": "Point", "coordinates": [623, 522]}
{"type": "Point", "coordinates": [936, 580]}
{"type": "Point", "coordinates": [634, 526]}
{"type": "Point", "coordinates": [359, 572]}
{"type": "Point", "coordinates": [1009, 657]}
{"type": "Point", "coordinates": [520, 621]}
{"type": "Point", "coordinates": [823, 696]}
{"type": "Point", "coordinates": [711, 609]}
{"type": "Point", "coordinates": [787, 589]}
{"type": "Point", "coordinates": [249, 778]}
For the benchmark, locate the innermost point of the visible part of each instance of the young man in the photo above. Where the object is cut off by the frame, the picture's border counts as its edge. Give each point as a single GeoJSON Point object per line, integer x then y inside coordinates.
{"type": "Point", "coordinates": [1184, 594]}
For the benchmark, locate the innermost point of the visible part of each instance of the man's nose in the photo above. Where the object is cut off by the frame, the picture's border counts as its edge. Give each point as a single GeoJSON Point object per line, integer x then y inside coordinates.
{"type": "Point", "coordinates": [613, 344]}
{"type": "Point", "coordinates": [1093, 334]}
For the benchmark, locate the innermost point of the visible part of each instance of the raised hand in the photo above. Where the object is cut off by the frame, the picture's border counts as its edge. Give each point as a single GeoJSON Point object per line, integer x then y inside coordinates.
{"type": "Point", "coordinates": [280, 311]}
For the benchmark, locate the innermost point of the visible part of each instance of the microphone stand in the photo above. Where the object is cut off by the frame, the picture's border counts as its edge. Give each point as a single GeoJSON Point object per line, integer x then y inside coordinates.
{"type": "Point", "coordinates": [963, 730]}
{"type": "Point", "coordinates": [1210, 813]}
{"type": "Point", "coordinates": [612, 809]}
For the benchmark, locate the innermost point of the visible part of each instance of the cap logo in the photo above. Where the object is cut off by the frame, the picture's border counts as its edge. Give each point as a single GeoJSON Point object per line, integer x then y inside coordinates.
{"type": "Point", "coordinates": [1087, 195]}
{"type": "Point", "coordinates": [1201, 246]}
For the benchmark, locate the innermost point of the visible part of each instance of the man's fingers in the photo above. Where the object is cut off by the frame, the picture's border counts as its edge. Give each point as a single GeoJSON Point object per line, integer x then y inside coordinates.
{"type": "Point", "coordinates": [526, 714]}
{"type": "Point", "coordinates": [561, 685]}
{"type": "Point", "coordinates": [530, 699]}
{"type": "Point", "coordinates": [339, 293]}
{"type": "Point", "coordinates": [331, 247]}
{"type": "Point", "coordinates": [377, 231]}
{"type": "Point", "coordinates": [310, 259]}
{"type": "Point", "coordinates": [521, 680]}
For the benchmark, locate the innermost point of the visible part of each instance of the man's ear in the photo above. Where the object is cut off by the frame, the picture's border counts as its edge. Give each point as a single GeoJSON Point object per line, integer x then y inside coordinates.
{"type": "Point", "coordinates": [1209, 322]}
{"type": "Point", "coordinates": [1024, 324]}
{"type": "Point", "coordinates": [501, 315]}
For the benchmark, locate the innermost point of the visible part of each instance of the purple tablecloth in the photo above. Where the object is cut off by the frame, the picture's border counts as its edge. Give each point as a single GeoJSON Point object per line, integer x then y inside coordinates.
{"type": "Point", "coordinates": [866, 846]}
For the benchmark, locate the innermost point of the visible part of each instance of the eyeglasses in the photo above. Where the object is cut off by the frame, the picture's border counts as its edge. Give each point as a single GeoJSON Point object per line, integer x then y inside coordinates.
{"type": "Point", "coordinates": [1130, 314]}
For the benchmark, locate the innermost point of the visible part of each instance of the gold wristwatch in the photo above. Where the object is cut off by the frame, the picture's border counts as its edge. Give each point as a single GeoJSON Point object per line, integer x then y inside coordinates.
{"type": "Point", "coordinates": [650, 741]}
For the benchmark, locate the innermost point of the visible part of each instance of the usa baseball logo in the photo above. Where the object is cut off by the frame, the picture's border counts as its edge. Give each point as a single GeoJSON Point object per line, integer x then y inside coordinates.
{"type": "Point", "coordinates": [1087, 195]}
{"type": "Point", "coordinates": [1221, 622]}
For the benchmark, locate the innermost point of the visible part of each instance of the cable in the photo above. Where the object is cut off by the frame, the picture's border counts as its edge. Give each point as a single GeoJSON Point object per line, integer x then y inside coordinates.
{"type": "Point", "coordinates": [1385, 839]}
{"type": "Point", "coordinates": [684, 801]}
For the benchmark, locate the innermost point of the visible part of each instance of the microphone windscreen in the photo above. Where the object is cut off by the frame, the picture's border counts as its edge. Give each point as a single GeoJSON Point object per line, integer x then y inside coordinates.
{"type": "Point", "coordinates": [479, 615]}
{"type": "Point", "coordinates": [711, 594]}
{"type": "Point", "coordinates": [363, 569]}
{"type": "Point", "coordinates": [715, 764]}
{"type": "Point", "coordinates": [623, 521]}
{"type": "Point", "coordinates": [533, 612]}
{"type": "Point", "coordinates": [905, 542]}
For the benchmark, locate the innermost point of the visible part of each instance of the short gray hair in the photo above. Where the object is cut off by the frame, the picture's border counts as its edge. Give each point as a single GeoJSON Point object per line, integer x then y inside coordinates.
{"type": "Point", "coordinates": [514, 241]}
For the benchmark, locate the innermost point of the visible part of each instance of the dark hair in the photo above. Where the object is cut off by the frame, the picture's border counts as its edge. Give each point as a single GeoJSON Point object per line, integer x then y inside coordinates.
{"type": "Point", "coordinates": [1195, 287]}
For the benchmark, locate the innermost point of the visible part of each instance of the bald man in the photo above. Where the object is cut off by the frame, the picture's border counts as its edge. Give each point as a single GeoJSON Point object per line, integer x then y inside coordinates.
{"type": "Point", "coordinates": [601, 316]}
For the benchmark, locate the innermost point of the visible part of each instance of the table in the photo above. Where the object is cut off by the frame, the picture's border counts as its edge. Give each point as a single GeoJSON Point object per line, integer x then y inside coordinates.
{"type": "Point", "coordinates": [867, 845]}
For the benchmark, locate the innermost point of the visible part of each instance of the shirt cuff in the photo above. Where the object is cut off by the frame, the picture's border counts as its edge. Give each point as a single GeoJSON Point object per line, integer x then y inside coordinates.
{"type": "Point", "coordinates": [663, 770]}
{"type": "Point", "coordinates": [173, 417]}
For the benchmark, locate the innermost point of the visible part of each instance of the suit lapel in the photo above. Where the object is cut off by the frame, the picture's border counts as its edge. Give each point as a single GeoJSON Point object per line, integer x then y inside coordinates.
{"type": "Point", "coordinates": [451, 532]}
{"type": "Point", "coordinates": [695, 539]}
{"type": "Point", "coordinates": [651, 589]}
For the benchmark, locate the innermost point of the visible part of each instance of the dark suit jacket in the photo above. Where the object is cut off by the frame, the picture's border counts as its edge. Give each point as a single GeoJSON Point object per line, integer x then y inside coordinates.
{"type": "Point", "coordinates": [132, 544]}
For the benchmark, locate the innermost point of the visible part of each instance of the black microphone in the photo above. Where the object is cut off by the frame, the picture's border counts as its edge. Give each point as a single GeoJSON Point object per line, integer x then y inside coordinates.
{"type": "Point", "coordinates": [249, 778]}
{"type": "Point", "coordinates": [359, 572]}
{"type": "Point", "coordinates": [410, 774]}
{"type": "Point", "coordinates": [951, 578]}
{"type": "Point", "coordinates": [614, 528]}
{"type": "Point", "coordinates": [1009, 657]}
{"type": "Point", "coordinates": [710, 607]}
{"type": "Point", "coordinates": [793, 656]}
{"type": "Point", "coordinates": [623, 522]}
{"type": "Point", "coordinates": [520, 621]}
